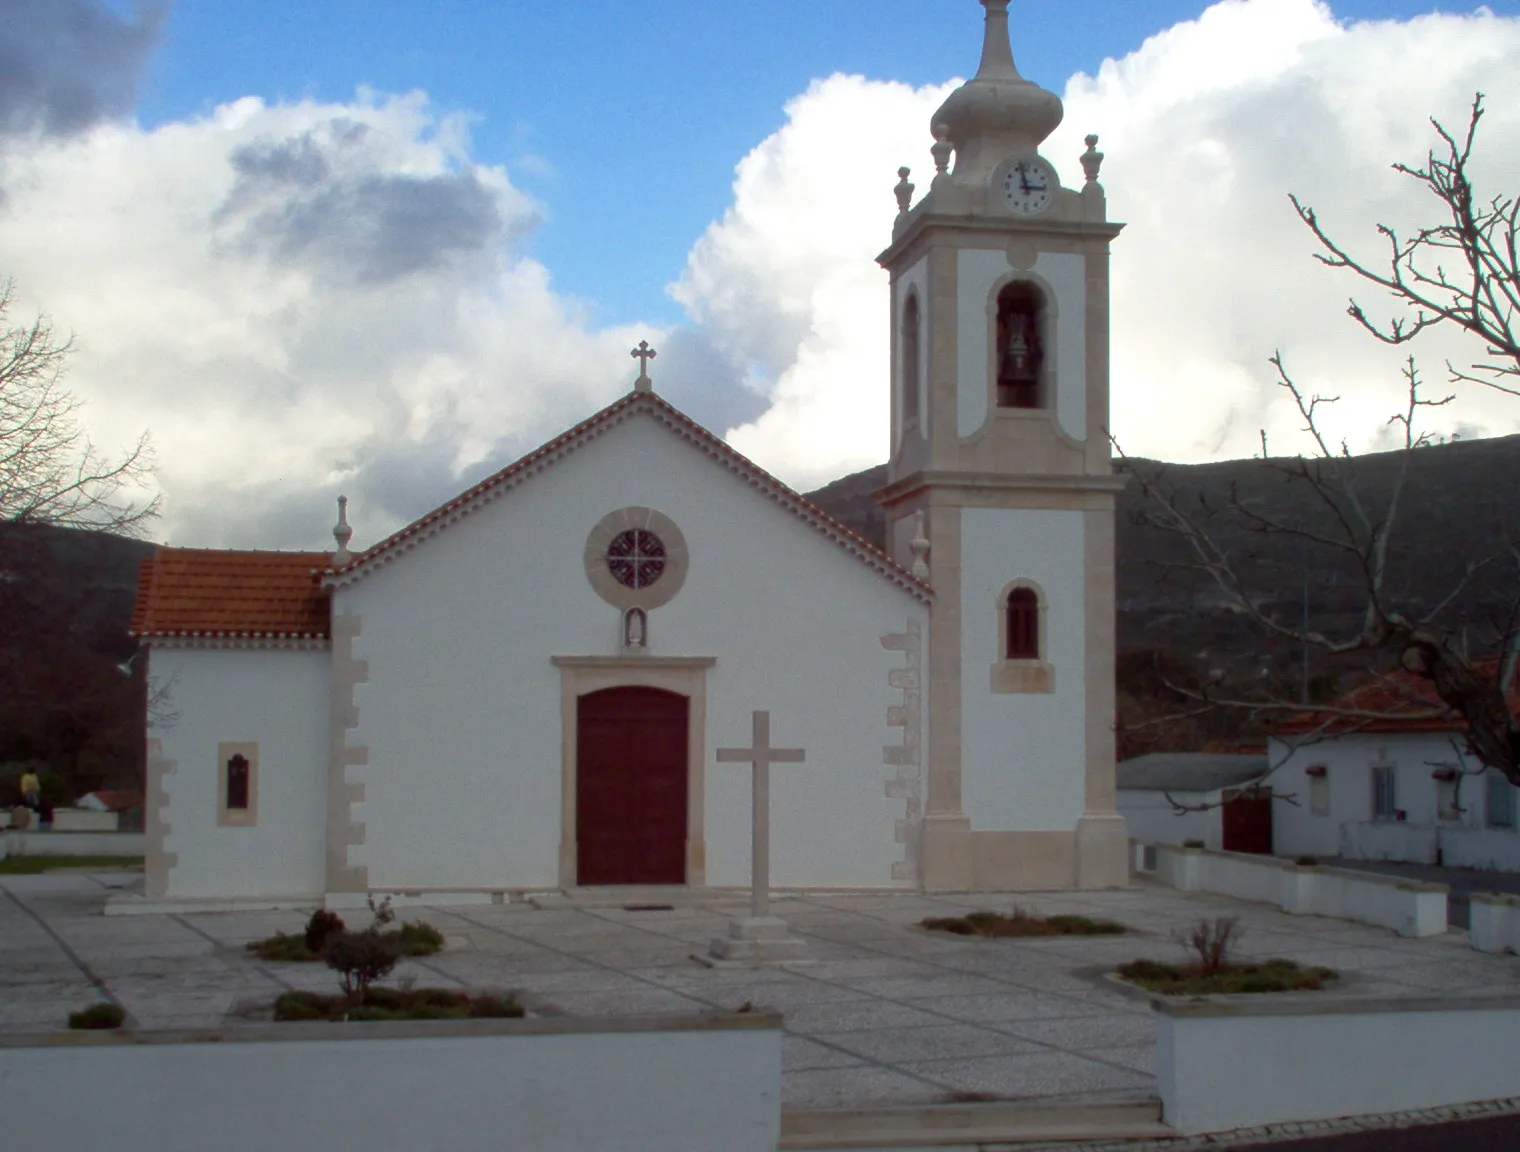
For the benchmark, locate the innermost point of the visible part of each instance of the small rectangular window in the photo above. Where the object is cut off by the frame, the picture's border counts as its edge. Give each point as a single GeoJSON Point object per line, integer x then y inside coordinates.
{"type": "Point", "coordinates": [237, 783]}
{"type": "Point", "coordinates": [1319, 795]}
{"type": "Point", "coordinates": [1384, 801]}
{"type": "Point", "coordinates": [1501, 801]}
{"type": "Point", "coordinates": [237, 786]}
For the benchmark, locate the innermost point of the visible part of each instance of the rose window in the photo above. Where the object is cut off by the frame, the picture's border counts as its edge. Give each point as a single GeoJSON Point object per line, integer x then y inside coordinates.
{"type": "Point", "coordinates": [636, 558]}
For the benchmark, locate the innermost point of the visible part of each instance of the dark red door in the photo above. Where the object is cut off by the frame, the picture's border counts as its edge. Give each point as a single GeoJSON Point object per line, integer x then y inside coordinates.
{"type": "Point", "coordinates": [1247, 822]}
{"type": "Point", "coordinates": [630, 789]}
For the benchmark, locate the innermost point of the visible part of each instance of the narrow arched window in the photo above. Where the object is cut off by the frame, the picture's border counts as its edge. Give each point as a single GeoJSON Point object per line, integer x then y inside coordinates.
{"type": "Point", "coordinates": [237, 784]}
{"type": "Point", "coordinates": [910, 346]}
{"type": "Point", "coordinates": [1020, 346]}
{"type": "Point", "coordinates": [1023, 625]}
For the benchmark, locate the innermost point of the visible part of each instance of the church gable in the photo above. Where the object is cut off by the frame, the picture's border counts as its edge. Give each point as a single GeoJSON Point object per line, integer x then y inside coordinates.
{"type": "Point", "coordinates": [636, 405]}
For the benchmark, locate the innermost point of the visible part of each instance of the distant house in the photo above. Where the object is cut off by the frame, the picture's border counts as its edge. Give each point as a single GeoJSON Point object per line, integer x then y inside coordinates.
{"type": "Point", "coordinates": [1172, 797]}
{"type": "Point", "coordinates": [1398, 787]}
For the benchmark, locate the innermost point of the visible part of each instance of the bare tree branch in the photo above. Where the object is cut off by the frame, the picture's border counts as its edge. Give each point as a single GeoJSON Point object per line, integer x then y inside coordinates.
{"type": "Point", "coordinates": [1482, 291]}
{"type": "Point", "coordinates": [50, 472]}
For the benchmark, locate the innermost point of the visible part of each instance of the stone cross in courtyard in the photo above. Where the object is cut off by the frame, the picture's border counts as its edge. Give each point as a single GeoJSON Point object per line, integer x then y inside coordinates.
{"type": "Point", "coordinates": [759, 937]}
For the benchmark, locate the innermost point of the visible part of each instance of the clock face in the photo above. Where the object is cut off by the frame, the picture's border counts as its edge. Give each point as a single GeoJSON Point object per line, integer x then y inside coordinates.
{"type": "Point", "coordinates": [1029, 185]}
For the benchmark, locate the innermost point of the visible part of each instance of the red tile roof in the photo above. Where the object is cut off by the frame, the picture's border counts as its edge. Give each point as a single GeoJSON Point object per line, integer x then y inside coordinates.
{"type": "Point", "coordinates": [1399, 702]}
{"type": "Point", "coordinates": [587, 430]}
{"type": "Point", "coordinates": [203, 592]}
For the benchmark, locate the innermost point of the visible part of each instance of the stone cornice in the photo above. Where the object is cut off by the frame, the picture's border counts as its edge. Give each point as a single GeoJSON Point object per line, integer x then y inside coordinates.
{"type": "Point", "coordinates": [235, 641]}
{"type": "Point", "coordinates": [998, 230]}
{"type": "Point", "coordinates": [943, 481]}
{"type": "Point", "coordinates": [633, 661]}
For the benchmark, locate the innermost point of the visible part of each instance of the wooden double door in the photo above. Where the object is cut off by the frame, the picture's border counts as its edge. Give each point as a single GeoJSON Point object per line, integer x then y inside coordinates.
{"type": "Point", "coordinates": [631, 787]}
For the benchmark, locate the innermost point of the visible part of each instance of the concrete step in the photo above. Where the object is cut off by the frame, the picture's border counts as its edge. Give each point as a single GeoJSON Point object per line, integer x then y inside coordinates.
{"type": "Point", "coordinates": [968, 1125]}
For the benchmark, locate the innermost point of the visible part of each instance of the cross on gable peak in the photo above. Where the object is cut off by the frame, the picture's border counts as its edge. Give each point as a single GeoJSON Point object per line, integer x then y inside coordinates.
{"type": "Point", "coordinates": [643, 354]}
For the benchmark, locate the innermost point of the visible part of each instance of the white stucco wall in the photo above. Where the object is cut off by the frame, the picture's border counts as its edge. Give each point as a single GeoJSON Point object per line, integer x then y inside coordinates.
{"type": "Point", "coordinates": [1152, 819]}
{"type": "Point", "coordinates": [1350, 830]}
{"type": "Point", "coordinates": [1239, 1064]}
{"type": "Point", "coordinates": [1022, 755]}
{"type": "Point", "coordinates": [278, 700]}
{"type": "Point", "coordinates": [1066, 273]}
{"type": "Point", "coordinates": [975, 274]}
{"type": "Point", "coordinates": [476, 1084]}
{"type": "Point", "coordinates": [1063, 275]}
{"type": "Point", "coordinates": [461, 713]}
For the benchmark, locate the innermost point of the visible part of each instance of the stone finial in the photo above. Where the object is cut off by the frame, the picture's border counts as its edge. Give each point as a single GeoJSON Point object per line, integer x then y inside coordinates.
{"type": "Point", "coordinates": [342, 533]}
{"type": "Point", "coordinates": [920, 546]}
{"type": "Point", "coordinates": [643, 354]}
{"type": "Point", "coordinates": [903, 191]}
{"type": "Point", "coordinates": [942, 149]}
{"type": "Point", "coordinates": [1092, 160]}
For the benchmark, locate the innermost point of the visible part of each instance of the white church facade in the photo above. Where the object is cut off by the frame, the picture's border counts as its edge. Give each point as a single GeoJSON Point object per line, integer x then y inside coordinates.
{"type": "Point", "coordinates": [526, 688]}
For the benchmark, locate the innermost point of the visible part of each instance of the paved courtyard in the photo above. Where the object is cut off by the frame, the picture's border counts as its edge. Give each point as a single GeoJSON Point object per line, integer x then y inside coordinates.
{"type": "Point", "coordinates": [884, 1013]}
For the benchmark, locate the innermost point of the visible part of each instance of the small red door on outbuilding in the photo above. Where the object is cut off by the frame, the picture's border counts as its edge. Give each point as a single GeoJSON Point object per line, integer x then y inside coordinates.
{"type": "Point", "coordinates": [1247, 821]}
{"type": "Point", "coordinates": [630, 792]}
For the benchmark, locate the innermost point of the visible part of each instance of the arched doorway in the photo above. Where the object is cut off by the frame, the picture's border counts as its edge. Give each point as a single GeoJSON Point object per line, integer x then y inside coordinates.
{"type": "Point", "coordinates": [630, 787]}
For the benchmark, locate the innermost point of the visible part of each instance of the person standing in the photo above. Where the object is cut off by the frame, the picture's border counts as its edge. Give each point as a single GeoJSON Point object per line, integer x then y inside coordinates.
{"type": "Point", "coordinates": [31, 790]}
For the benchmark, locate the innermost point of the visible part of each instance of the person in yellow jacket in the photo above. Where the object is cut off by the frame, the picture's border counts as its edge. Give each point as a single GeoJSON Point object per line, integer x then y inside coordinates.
{"type": "Point", "coordinates": [31, 790]}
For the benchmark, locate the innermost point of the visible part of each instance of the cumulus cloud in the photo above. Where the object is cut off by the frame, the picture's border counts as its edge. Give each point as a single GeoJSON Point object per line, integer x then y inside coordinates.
{"type": "Point", "coordinates": [300, 299]}
{"type": "Point", "coordinates": [66, 64]}
{"type": "Point", "coordinates": [305, 298]}
{"type": "Point", "coordinates": [787, 285]}
{"type": "Point", "coordinates": [1207, 126]}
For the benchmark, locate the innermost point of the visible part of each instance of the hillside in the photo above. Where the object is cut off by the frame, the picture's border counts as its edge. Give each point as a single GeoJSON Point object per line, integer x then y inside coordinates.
{"type": "Point", "coordinates": [1458, 501]}
{"type": "Point", "coordinates": [66, 596]}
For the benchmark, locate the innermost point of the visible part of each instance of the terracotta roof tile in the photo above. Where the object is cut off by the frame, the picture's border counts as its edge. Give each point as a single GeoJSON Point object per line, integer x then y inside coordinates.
{"type": "Point", "coordinates": [1403, 700]}
{"type": "Point", "coordinates": [197, 591]}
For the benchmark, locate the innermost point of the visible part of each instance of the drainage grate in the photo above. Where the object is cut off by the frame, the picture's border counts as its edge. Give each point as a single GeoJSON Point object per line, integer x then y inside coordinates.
{"type": "Point", "coordinates": [649, 907]}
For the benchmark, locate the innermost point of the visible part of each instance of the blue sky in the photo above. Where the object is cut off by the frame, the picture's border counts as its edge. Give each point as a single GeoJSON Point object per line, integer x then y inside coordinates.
{"type": "Point", "coordinates": [385, 247]}
{"type": "Point", "coordinates": [625, 119]}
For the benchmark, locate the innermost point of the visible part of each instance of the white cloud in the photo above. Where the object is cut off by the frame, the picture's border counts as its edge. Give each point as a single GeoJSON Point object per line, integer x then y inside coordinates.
{"type": "Point", "coordinates": [298, 299]}
{"type": "Point", "coordinates": [304, 298]}
{"type": "Point", "coordinates": [1207, 127]}
{"type": "Point", "coordinates": [787, 280]}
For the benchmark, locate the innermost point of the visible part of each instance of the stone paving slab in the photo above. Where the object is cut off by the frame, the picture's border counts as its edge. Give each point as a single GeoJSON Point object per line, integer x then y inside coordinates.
{"type": "Point", "coordinates": [885, 1013]}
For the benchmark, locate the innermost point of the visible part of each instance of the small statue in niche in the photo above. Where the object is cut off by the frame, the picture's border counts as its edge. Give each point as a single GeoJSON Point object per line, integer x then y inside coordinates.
{"type": "Point", "coordinates": [635, 628]}
{"type": "Point", "coordinates": [1020, 349]}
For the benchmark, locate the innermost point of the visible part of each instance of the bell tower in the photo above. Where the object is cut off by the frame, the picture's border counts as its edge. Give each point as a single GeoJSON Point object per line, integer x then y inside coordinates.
{"type": "Point", "coordinates": [1000, 456]}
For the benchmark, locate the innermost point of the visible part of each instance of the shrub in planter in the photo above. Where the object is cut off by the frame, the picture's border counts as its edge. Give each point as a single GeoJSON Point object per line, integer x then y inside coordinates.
{"type": "Point", "coordinates": [322, 925]}
{"type": "Point", "coordinates": [361, 958]}
{"type": "Point", "coordinates": [98, 1016]}
{"type": "Point", "coordinates": [419, 938]}
{"type": "Point", "coordinates": [283, 948]}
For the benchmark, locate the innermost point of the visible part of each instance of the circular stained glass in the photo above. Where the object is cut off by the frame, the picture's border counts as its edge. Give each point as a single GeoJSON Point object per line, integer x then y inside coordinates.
{"type": "Point", "coordinates": [636, 558]}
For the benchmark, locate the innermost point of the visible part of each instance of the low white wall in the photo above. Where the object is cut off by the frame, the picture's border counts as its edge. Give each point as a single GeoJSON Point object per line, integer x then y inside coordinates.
{"type": "Point", "coordinates": [84, 820]}
{"type": "Point", "coordinates": [679, 1084]}
{"type": "Point", "coordinates": [1238, 1062]}
{"type": "Point", "coordinates": [1150, 817]}
{"type": "Point", "coordinates": [1494, 922]}
{"type": "Point", "coordinates": [56, 843]}
{"type": "Point", "coordinates": [1410, 909]}
{"type": "Point", "coordinates": [1385, 840]}
{"type": "Point", "coordinates": [1492, 849]}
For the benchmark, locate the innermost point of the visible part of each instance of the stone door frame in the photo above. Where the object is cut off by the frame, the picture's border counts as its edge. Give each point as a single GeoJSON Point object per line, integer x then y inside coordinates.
{"type": "Point", "coordinates": [683, 675]}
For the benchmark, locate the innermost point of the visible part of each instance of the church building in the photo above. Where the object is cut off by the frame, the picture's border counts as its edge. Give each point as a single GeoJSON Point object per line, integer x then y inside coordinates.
{"type": "Point", "coordinates": [526, 689]}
